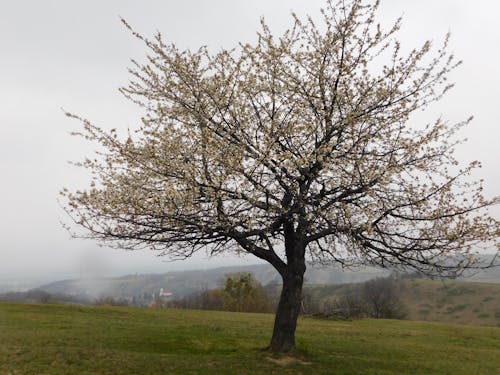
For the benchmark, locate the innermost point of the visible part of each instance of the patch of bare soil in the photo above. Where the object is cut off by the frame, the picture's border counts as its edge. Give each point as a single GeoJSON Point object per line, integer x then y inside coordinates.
{"type": "Point", "coordinates": [287, 360]}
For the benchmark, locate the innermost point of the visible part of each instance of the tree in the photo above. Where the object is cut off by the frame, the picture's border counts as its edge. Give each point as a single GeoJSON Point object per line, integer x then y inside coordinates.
{"type": "Point", "coordinates": [243, 293]}
{"type": "Point", "coordinates": [240, 292]}
{"type": "Point", "coordinates": [298, 147]}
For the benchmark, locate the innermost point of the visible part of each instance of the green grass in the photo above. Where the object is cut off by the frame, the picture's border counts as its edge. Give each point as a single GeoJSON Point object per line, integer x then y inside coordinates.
{"type": "Point", "coordinates": [62, 339]}
{"type": "Point", "coordinates": [448, 301]}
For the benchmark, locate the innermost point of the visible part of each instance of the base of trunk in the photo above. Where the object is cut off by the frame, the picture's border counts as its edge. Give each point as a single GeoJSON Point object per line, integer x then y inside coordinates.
{"type": "Point", "coordinates": [287, 345]}
{"type": "Point", "coordinates": [285, 323]}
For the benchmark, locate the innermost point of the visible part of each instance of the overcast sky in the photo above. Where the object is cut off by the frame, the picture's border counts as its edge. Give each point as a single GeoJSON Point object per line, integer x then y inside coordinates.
{"type": "Point", "coordinates": [74, 55]}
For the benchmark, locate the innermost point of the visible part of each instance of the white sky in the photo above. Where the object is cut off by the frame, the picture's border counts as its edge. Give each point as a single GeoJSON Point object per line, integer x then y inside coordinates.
{"type": "Point", "coordinates": [66, 54]}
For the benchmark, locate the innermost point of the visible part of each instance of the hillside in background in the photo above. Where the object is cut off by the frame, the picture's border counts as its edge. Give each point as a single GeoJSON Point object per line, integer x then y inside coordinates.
{"type": "Point", "coordinates": [426, 300]}
{"type": "Point", "coordinates": [452, 302]}
{"type": "Point", "coordinates": [423, 299]}
{"type": "Point", "coordinates": [184, 283]}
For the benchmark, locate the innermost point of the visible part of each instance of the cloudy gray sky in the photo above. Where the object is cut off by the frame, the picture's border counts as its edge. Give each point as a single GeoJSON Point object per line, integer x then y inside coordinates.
{"type": "Point", "coordinates": [66, 54]}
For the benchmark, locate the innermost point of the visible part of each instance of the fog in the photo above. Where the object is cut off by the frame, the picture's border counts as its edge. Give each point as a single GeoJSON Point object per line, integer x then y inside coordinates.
{"type": "Point", "coordinates": [74, 55]}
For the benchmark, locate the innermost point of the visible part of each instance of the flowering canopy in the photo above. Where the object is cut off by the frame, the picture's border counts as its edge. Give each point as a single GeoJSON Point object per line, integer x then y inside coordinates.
{"type": "Point", "coordinates": [305, 134]}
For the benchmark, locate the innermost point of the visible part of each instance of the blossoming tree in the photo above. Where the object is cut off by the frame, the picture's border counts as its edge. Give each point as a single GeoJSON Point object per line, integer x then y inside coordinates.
{"type": "Point", "coordinates": [298, 148]}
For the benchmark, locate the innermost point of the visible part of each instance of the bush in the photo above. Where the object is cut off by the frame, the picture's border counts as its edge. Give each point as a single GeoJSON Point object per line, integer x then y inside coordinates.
{"type": "Point", "coordinates": [382, 300]}
{"type": "Point", "coordinates": [377, 298]}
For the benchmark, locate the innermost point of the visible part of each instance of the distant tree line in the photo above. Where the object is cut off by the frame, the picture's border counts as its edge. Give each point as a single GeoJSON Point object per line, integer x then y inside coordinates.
{"type": "Point", "coordinates": [110, 301]}
{"type": "Point", "coordinates": [376, 298]}
{"type": "Point", "coordinates": [41, 296]}
{"type": "Point", "coordinates": [241, 292]}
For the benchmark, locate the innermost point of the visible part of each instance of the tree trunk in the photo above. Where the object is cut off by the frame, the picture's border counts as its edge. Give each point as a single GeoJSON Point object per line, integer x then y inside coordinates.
{"type": "Point", "coordinates": [285, 323]}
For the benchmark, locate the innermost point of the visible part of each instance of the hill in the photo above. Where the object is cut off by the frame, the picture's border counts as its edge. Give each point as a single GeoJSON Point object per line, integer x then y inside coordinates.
{"type": "Point", "coordinates": [452, 302]}
{"type": "Point", "coordinates": [143, 287]}
{"type": "Point", "coordinates": [62, 339]}
{"type": "Point", "coordinates": [445, 301]}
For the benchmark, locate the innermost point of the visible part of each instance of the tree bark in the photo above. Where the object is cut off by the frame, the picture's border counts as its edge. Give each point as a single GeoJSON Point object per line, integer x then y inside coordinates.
{"type": "Point", "coordinates": [285, 323]}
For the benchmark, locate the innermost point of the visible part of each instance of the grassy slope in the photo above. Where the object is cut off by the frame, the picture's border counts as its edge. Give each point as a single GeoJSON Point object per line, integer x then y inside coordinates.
{"type": "Point", "coordinates": [452, 302]}
{"type": "Point", "coordinates": [58, 339]}
{"type": "Point", "coordinates": [447, 301]}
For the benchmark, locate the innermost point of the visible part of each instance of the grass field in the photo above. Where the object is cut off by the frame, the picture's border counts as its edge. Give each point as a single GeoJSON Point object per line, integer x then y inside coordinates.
{"type": "Point", "coordinates": [63, 339]}
{"type": "Point", "coordinates": [452, 301]}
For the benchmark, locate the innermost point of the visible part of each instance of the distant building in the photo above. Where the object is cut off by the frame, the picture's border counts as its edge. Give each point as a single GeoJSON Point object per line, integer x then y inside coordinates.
{"type": "Point", "coordinates": [165, 294]}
